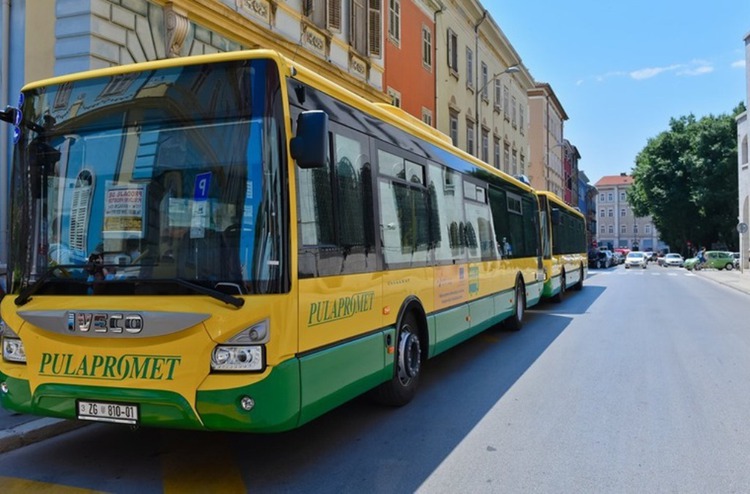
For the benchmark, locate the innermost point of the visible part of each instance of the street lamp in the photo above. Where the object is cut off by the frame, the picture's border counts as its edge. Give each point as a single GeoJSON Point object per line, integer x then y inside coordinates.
{"type": "Point", "coordinates": [477, 131]}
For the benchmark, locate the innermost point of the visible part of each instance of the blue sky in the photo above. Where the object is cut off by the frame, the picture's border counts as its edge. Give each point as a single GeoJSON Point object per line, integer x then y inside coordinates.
{"type": "Point", "coordinates": [622, 69]}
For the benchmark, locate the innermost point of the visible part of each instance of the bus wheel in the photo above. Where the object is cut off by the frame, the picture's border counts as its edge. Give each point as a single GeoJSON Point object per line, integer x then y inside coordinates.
{"type": "Point", "coordinates": [559, 295]}
{"type": "Point", "coordinates": [579, 285]}
{"type": "Point", "coordinates": [515, 321]}
{"type": "Point", "coordinates": [402, 387]}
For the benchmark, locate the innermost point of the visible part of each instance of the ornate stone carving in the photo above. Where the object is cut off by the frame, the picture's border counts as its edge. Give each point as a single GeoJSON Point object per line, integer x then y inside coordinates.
{"type": "Point", "coordinates": [177, 26]}
{"type": "Point", "coordinates": [261, 9]}
{"type": "Point", "coordinates": [314, 40]}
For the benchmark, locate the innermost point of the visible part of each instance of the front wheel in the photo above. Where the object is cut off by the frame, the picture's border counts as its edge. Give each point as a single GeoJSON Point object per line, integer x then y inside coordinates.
{"type": "Point", "coordinates": [402, 387]}
{"type": "Point", "coordinates": [729, 267]}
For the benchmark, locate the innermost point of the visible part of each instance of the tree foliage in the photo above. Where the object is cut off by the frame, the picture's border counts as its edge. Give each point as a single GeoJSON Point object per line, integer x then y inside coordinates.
{"type": "Point", "coordinates": [686, 179]}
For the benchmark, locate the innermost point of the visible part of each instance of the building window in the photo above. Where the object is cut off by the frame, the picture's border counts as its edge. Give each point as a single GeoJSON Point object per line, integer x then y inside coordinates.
{"type": "Point", "coordinates": [453, 52]}
{"type": "Point", "coordinates": [485, 145]}
{"type": "Point", "coordinates": [469, 68]}
{"type": "Point", "coordinates": [394, 21]}
{"type": "Point", "coordinates": [611, 213]}
{"type": "Point", "coordinates": [427, 116]}
{"type": "Point", "coordinates": [426, 47]}
{"type": "Point", "coordinates": [498, 95]}
{"type": "Point", "coordinates": [648, 229]}
{"type": "Point", "coordinates": [611, 229]}
{"type": "Point", "coordinates": [506, 158]}
{"type": "Point", "coordinates": [521, 117]}
{"type": "Point", "coordinates": [496, 157]}
{"type": "Point", "coordinates": [601, 197]}
{"type": "Point", "coordinates": [470, 137]}
{"type": "Point", "coordinates": [514, 163]}
{"type": "Point", "coordinates": [513, 110]}
{"type": "Point", "coordinates": [602, 229]}
{"type": "Point", "coordinates": [485, 82]}
{"type": "Point", "coordinates": [622, 196]}
{"type": "Point", "coordinates": [610, 197]}
{"type": "Point", "coordinates": [395, 97]}
{"type": "Point", "coordinates": [623, 229]}
{"type": "Point", "coordinates": [522, 164]}
{"type": "Point", "coordinates": [622, 211]}
{"type": "Point", "coordinates": [365, 27]}
{"type": "Point", "coordinates": [454, 127]}
{"type": "Point", "coordinates": [635, 228]}
{"type": "Point", "coordinates": [505, 102]}
{"type": "Point", "coordinates": [601, 213]}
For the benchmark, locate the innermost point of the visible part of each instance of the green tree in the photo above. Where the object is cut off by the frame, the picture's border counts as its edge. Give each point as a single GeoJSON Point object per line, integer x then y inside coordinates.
{"type": "Point", "coordinates": [686, 179]}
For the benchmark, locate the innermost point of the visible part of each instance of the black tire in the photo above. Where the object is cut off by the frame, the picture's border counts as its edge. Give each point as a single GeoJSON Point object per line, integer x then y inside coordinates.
{"type": "Point", "coordinates": [402, 387]}
{"type": "Point", "coordinates": [558, 297]}
{"type": "Point", "coordinates": [579, 286]}
{"type": "Point", "coordinates": [729, 267]}
{"type": "Point", "coordinates": [515, 321]}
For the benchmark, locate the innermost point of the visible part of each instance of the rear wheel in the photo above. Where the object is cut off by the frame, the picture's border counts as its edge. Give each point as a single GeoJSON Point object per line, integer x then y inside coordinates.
{"type": "Point", "coordinates": [579, 285]}
{"type": "Point", "coordinates": [559, 295]}
{"type": "Point", "coordinates": [729, 266]}
{"type": "Point", "coordinates": [515, 322]}
{"type": "Point", "coordinates": [402, 387]}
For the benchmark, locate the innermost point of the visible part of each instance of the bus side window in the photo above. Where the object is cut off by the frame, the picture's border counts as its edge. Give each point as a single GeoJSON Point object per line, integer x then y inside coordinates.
{"type": "Point", "coordinates": [336, 211]}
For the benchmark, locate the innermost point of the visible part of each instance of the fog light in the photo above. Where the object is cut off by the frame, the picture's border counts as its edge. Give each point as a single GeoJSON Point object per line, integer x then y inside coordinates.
{"type": "Point", "coordinates": [247, 403]}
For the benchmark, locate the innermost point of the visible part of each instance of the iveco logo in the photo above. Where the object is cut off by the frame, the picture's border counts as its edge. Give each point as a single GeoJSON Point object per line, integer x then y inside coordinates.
{"type": "Point", "coordinates": [102, 322]}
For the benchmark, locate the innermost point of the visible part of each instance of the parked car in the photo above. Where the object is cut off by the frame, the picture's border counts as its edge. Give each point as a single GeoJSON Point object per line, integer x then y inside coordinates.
{"type": "Point", "coordinates": [736, 260]}
{"type": "Point", "coordinates": [673, 259]}
{"type": "Point", "coordinates": [617, 258]}
{"type": "Point", "coordinates": [601, 259]}
{"type": "Point", "coordinates": [719, 259]}
{"type": "Point", "coordinates": [636, 260]}
{"type": "Point", "coordinates": [691, 264]}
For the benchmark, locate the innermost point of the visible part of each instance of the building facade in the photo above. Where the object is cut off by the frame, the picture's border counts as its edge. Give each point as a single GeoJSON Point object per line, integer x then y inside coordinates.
{"type": "Point", "coordinates": [546, 139]}
{"type": "Point", "coordinates": [617, 226]}
{"type": "Point", "coordinates": [743, 167]}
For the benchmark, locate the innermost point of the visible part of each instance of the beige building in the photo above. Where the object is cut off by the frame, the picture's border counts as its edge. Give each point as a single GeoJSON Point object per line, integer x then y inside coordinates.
{"type": "Point", "coordinates": [481, 104]}
{"type": "Point", "coordinates": [743, 166]}
{"type": "Point", "coordinates": [617, 225]}
{"type": "Point", "coordinates": [547, 118]}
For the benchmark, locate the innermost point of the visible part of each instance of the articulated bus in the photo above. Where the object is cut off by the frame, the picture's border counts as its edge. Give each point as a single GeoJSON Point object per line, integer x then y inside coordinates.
{"type": "Point", "coordinates": [563, 246]}
{"type": "Point", "coordinates": [232, 242]}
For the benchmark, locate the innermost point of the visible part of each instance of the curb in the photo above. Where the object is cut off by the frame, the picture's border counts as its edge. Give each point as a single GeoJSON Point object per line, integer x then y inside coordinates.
{"type": "Point", "coordinates": [35, 431]}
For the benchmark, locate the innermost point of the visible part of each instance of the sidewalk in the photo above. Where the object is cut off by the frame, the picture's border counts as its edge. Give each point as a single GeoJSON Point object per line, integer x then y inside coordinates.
{"type": "Point", "coordinates": [17, 430]}
{"type": "Point", "coordinates": [733, 279]}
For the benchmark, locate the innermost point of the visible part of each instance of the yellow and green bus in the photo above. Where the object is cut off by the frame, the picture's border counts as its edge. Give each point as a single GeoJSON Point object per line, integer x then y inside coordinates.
{"type": "Point", "coordinates": [563, 246]}
{"type": "Point", "coordinates": [233, 242]}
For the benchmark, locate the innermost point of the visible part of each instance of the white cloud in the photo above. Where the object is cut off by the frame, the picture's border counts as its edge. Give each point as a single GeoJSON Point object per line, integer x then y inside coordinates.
{"type": "Point", "coordinates": [699, 70]}
{"type": "Point", "coordinates": [650, 72]}
{"type": "Point", "coordinates": [739, 64]}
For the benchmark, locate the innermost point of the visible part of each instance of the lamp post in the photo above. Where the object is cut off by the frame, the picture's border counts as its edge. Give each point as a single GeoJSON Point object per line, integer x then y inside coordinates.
{"type": "Point", "coordinates": [477, 131]}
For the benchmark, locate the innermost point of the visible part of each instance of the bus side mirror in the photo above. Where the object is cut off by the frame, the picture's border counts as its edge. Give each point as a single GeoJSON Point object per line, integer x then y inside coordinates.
{"type": "Point", "coordinates": [310, 144]}
{"type": "Point", "coordinates": [11, 115]}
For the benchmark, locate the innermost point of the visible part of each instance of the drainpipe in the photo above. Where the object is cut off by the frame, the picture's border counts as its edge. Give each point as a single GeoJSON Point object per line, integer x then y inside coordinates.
{"type": "Point", "coordinates": [4, 168]}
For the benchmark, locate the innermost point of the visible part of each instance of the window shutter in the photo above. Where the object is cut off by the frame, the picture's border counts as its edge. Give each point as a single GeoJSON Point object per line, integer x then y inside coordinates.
{"type": "Point", "coordinates": [334, 15]}
{"type": "Point", "coordinates": [374, 31]}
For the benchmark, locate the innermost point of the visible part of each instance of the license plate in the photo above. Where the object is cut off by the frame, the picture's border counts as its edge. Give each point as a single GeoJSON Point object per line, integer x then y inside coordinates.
{"type": "Point", "coordinates": [118, 413]}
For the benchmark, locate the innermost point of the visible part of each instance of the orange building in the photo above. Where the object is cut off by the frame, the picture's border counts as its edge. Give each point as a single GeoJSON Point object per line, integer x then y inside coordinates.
{"type": "Point", "coordinates": [409, 77]}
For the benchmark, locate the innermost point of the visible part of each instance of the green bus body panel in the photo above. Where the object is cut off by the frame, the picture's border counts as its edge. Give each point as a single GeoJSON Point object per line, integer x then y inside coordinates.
{"type": "Point", "coordinates": [156, 408]}
{"type": "Point", "coordinates": [276, 403]}
{"type": "Point", "coordinates": [535, 288]}
{"type": "Point", "coordinates": [552, 287]}
{"type": "Point", "coordinates": [338, 374]}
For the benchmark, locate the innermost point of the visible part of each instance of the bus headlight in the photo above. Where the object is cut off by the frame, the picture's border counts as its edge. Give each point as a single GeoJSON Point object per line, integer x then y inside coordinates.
{"type": "Point", "coordinates": [241, 358]}
{"type": "Point", "coordinates": [13, 350]}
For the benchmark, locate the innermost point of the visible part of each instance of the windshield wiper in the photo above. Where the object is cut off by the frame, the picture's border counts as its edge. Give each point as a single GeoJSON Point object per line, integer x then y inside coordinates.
{"type": "Point", "coordinates": [30, 290]}
{"type": "Point", "coordinates": [224, 297]}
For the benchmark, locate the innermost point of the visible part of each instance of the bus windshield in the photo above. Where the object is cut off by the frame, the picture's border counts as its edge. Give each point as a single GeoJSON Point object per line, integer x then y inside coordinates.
{"type": "Point", "coordinates": [139, 182]}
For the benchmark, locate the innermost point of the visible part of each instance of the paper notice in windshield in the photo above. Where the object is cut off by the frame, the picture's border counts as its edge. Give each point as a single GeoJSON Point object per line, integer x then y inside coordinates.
{"type": "Point", "coordinates": [124, 211]}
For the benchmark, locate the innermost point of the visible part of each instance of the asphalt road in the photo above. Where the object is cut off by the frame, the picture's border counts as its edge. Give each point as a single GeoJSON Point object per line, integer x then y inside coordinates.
{"type": "Point", "coordinates": [636, 384]}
